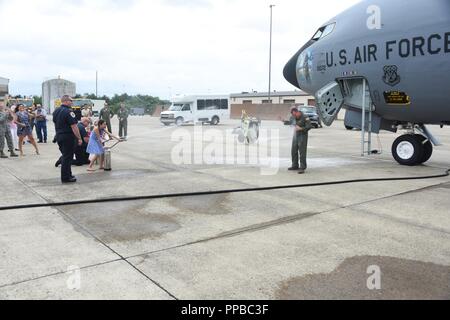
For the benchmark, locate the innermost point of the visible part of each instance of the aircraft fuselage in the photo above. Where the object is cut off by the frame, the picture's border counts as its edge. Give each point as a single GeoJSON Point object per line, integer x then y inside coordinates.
{"type": "Point", "coordinates": [405, 58]}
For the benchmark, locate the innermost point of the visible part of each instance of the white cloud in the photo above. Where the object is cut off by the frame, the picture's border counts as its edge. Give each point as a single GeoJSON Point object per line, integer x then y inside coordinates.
{"type": "Point", "coordinates": [148, 46]}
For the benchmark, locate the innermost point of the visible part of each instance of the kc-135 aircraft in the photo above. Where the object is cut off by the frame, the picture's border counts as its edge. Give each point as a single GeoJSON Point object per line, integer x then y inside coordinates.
{"type": "Point", "coordinates": [399, 50]}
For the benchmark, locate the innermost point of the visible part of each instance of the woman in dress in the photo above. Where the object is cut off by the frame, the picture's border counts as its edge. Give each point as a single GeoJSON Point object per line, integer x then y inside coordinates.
{"type": "Point", "coordinates": [24, 129]}
{"type": "Point", "coordinates": [13, 128]}
{"type": "Point", "coordinates": [95, 147]}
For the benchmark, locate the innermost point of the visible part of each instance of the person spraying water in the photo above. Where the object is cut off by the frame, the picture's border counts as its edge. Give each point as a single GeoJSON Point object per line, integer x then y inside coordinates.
{"type": "Point", "coordinates": [96, 147]}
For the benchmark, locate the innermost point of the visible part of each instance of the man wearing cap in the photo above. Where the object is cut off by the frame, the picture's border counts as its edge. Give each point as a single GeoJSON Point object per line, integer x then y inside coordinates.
{"type": "Point", "coordinates": [302, 125]}
{"type": "Point", "coordinates": [41, 123]}
{"type": "Point", "coordinates": [106, 115]}
{"type": "Point", "coordinates": [68, 137]}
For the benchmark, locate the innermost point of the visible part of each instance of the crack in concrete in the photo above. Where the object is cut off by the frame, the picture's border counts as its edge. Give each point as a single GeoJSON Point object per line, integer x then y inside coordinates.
{"type": "Point", "coordinates": [121, 258]}
{"type": "Point", "coordinates": [57, 274]}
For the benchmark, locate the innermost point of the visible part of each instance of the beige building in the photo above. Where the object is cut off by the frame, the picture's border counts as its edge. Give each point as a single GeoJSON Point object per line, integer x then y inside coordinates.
{"type": "Point", "coordinates": [55, 89]}
{"type": "Point", "coordinates": [4, 87]}
{"type": "Point", "coordinates": [281, 97]}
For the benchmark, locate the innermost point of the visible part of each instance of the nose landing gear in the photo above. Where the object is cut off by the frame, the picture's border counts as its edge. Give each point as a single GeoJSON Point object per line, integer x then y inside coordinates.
{"type": "Point", "coordinates": [412, 149]}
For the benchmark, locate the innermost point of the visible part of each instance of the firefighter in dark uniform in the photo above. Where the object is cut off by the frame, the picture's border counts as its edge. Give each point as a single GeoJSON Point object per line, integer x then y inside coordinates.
{"type": "Point", "coordinates": [68, 137]}
{"type": "Point", "coordinates": [300, 141]}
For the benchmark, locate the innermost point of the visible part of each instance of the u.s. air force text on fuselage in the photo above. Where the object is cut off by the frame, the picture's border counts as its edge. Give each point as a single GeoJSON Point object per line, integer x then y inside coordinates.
{"type": "Point", "coordinates": [404, 48]}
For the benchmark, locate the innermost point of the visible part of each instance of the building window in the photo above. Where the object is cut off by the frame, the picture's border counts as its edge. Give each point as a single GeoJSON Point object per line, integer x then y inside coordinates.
{"type": "Point", "coordinates": [267, 101]}
{"type": "Point", "coordinates": [289, 101]}
{"type": "Point", "coordinates": [247, 102]}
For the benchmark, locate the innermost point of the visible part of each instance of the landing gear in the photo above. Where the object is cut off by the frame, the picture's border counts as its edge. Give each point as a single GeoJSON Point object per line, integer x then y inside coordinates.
{"type": "Point", "coordinates": [427, 148]}
{"type": "Point", "coordinates": [412, 149]}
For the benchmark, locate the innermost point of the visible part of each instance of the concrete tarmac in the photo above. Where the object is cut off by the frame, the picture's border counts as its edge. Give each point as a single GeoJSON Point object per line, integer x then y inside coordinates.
{"type": "Point", "coordinates": [373, 240]}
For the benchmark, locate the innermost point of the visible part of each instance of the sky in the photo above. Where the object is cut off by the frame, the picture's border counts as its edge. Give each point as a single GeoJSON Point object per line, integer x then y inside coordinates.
{"type": "Point", "coordinates": [156, 47]}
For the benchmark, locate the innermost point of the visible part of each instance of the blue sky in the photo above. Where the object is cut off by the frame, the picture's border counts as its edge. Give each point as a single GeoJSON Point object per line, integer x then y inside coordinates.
{"type": "Point", "coordinates": [157, 47]}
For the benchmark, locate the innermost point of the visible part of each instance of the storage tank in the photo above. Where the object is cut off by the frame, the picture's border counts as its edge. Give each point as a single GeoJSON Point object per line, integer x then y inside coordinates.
{"type": "Point", "coordinates": [55, 89]}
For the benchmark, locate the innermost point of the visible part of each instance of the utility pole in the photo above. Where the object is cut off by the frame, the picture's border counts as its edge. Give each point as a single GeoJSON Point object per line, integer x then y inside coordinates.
{"type": "Point", "coordinates": [270, 52]}
{"type": "Point", "coordinates": [96, 84]}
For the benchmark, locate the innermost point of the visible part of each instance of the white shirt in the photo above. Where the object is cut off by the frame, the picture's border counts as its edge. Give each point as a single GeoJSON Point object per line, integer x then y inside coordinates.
{"type": "Point", "coordinates": [41, 112]}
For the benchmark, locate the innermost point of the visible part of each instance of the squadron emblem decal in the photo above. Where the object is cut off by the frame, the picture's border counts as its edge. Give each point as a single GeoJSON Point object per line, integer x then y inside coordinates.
{"type": "Point", "coordinates": [391, 76]}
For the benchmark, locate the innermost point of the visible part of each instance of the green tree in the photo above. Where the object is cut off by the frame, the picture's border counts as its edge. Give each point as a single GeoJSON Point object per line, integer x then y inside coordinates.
{"type": "Point", "coordinates": [37, 100]}
{"type": "Point", "coordinates": [147, 102]}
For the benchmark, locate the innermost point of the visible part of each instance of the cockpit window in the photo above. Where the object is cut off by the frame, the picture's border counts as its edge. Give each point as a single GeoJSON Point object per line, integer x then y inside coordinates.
{"type": "Point", "coordinates": [318, 34]}
{"type": "Point", "coordinates": [328, 30]}
{"type": "Point", "coordinates": [324, 31]}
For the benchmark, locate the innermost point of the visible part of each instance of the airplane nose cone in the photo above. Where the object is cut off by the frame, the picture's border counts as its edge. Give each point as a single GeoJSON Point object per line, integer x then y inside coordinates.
{"type": "Point", "coordinates": [290, 70]}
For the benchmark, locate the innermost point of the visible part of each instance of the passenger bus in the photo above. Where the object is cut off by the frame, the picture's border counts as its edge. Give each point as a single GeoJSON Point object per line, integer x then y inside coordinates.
{"type": "Point", "coordinates": [197, 109]}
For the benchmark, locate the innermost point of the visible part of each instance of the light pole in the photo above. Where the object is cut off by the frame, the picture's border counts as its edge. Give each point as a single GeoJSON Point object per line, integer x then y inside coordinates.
{"type": "Point", "coordinates": [270, 52]}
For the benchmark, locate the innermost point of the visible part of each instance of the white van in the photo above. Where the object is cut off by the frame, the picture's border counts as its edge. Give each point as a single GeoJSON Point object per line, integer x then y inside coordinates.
{"type": "Point", "coordinates": [197, 109]}
{"type": "Point", "coordinates": [97, 106]}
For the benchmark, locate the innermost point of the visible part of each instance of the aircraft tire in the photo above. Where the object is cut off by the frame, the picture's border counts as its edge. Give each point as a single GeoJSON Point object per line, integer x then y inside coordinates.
{"type": "Point", "coordinates": [349, 128]}
{"type": "Point", "coordinates": [428, 148]}
{"type": "Point", "coordinates": [408, 150]}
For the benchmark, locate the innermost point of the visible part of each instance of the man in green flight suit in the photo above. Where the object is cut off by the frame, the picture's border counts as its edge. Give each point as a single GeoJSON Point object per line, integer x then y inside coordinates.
{"type": "Point", "coordinates": [106, 115]}
{"type": "Point", "coordinates": [302, 126]}
{"type": "Point", "coordinates": [123, 121]}
{"type": "Point", "coordinates": [6, 116]}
